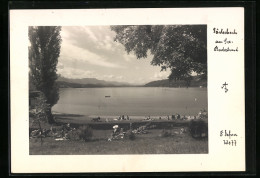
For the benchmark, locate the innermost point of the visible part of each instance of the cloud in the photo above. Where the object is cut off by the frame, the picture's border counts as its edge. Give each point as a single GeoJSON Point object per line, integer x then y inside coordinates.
{"type": "Point", "coordinates": [160, 75]}
{"type": "Point", "coordinates": [120, 77]}
{"type": "Point", "coordinates": [71, 52]}
{"type": "Point", "coordinates": [109, 76]}
{"type": "Point", "coordinates": [69, 72]}
{"type": "Point", "coordinates": [93, 48]}
{"type": "Point", "coordinates": [129, 57]}
{"type": "Point", "coordinates": [90, 34]}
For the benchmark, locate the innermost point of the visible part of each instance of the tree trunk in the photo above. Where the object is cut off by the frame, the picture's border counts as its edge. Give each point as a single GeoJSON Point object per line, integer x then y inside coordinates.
{"type": "Point", "coordinates": [40, 130]}
{"type": "Point", "coordinates": [50, 117]}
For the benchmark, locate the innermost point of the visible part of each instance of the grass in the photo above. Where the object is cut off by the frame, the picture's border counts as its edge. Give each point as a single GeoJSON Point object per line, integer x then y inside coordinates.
{"type": "Point", "coordinates": [150, 143]}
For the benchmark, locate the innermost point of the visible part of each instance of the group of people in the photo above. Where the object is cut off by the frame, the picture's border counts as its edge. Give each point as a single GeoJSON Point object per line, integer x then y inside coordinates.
{"type": "Point", "coordinates": [123, 117]}
{"type": "Point", "coordinates": [148, 118]}
{"type": "Point", "coordinates": [174, 117]}
{"type": "Point", "coordinates": [118, 133]}
{"type": "Point", "coordinates": [203, 114]}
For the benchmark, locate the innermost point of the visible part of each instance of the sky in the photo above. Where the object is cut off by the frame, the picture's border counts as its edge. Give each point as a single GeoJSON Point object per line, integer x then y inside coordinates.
{"type": "Point", "coordinates": [91, 52]}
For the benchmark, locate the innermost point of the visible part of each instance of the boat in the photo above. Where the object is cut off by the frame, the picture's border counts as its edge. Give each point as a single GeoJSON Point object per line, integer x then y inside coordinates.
{"type": "Point", "coordinates": [107, 96]}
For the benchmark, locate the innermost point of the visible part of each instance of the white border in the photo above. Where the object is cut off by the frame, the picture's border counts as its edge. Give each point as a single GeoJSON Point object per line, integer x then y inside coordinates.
{"type": "Point", "coordinates": [226, 110]}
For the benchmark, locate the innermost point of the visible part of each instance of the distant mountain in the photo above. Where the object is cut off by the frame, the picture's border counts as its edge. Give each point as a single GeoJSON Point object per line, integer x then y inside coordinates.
{"type": "Point", "coordinates": [88, 83]}
{"type": "Point", "coordinates": [195, 82]}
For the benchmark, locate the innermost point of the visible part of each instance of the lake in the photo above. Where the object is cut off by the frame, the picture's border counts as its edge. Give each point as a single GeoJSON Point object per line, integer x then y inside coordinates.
{"type": "Point", "coordinates": [132, 101]}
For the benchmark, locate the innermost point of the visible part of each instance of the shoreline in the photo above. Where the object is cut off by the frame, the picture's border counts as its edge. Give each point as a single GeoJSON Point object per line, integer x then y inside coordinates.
{"type": "Point", "coordinates": [106, 119]}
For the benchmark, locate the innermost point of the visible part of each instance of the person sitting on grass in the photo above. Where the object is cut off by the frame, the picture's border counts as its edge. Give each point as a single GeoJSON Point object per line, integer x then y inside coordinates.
{"type": "Point", "coordinates": [116, 129]}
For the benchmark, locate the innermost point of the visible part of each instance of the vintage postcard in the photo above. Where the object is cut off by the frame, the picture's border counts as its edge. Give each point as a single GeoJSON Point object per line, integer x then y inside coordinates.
{"type": "Point", "coordinates": [127, 90]}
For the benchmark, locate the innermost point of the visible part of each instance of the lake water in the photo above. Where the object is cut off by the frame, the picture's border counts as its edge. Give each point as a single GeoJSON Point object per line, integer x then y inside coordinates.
{"type": "Point", "coordinates": [132, 101]}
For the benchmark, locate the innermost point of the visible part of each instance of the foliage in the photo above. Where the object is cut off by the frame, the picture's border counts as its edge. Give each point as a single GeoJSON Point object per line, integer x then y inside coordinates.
{"type": "Point", "coordinates": [198, 128]}
{"type": "Point", "coordinates": [181, 48]}
{"type": "Point", "coordinates": [39, 112]}
{"type": "Point", "coordinates": [44, 52]}
{"type": "Point", "coordinates": [74, 135]}
{"type": "Point", "coordinates": [85, 132]}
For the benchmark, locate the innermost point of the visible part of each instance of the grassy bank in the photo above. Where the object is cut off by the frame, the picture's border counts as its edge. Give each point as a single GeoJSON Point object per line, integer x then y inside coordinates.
{"type": "Point", "coordinates": [150, 143]}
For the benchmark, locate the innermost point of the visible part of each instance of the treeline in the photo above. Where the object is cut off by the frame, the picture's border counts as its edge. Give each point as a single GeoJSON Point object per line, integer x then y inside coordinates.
{"type": "Point", "coordinates": [195, 82]}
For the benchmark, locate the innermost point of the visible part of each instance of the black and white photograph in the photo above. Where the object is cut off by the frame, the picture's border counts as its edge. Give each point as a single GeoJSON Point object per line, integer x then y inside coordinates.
{"type": "Point", "coordinates": [118, 89]}
{"type": "Point", "coordinates": [131, 89]}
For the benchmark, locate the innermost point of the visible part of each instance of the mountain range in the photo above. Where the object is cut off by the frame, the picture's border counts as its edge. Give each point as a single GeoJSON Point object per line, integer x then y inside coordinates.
{"type": "Point", "coordinates": [94, 83]}
{"type": "Point", "coordinates": [195, 82]}
{"type": "Point", "coordinates": [88, 83]}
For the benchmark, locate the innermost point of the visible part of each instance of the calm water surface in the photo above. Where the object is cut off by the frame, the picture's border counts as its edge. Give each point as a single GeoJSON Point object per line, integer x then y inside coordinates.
{"type": "Point", "coordinates": [133, 101]}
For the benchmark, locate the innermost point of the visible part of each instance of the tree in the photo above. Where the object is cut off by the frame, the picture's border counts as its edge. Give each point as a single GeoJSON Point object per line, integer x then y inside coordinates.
{"type": "Point", "coordinates": [43, 58]}
{"type": "Point", "coordinates": [39, 113]}
{"type": "Point", "coordinates": [181, 48]}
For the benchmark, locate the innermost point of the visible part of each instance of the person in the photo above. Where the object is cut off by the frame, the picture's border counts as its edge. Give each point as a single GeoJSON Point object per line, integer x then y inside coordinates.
{"type": "Point", "coordinates": [116, 129]}
{"type": "Point", "coordinates": [66, 127]}
{"type": "Point", "coordinates": [160, 118]}
{"type": "Point", "coordinates": [127, 117]}
{"type": "Point", "coordinates": [168, 118]}
{"type": "Point", "coordinates": [173, 117]}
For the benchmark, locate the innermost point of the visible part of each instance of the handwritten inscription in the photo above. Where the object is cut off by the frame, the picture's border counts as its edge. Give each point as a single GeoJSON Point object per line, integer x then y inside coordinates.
{"type": "Point", "coordinates": [224, 32]}
{"type": "Point", "coordinates": [225, 41]}
{"type": "Point", "coordinates": [229, 137]}
{"type": "Point", "coordinates": [224, 86]}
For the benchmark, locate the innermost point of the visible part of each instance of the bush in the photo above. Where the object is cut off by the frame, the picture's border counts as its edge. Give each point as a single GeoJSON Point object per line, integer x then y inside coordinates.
{"type": "Point", "coordinates": [73, 135]}
{"type": "Point", "coordinates": [165, 133]}
{"type": "Point", "coordinates": [85, 133]}
{"type": "Point", "coordinates": [198, 129]}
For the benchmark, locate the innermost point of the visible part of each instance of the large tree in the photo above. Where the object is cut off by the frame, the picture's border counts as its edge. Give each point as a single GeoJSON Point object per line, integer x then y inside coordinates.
{"type": "Point", "coordinates": [181, 48]}
{"type": "Point", "coordinates": [44, 52]}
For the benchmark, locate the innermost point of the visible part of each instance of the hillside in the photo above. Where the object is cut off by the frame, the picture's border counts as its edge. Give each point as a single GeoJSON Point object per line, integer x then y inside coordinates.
{"type": "Point", "coordinates": [88, 83]}
{"type": "Point", "coordinates": [196, 82]}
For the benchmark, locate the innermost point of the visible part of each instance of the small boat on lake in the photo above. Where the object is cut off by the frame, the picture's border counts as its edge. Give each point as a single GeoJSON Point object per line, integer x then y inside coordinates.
{"type": "Point", "coordinates": [107, 96]}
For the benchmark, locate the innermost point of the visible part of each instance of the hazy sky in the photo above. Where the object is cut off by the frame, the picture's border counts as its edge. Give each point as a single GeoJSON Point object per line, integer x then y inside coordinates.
{"type": "Point", "coordinates": [90, 52]}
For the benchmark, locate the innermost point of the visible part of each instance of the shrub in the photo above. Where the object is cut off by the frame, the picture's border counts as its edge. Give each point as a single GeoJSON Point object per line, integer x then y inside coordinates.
{"type": "Point", "coordinates": [85, 133]}
{"type": "Point", "coordinates": [73, 135]}
{"type": "Point", "coordinates": [198, 129]}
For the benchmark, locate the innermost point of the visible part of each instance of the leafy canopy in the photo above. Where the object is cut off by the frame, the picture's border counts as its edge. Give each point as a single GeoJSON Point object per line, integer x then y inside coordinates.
{"type": "Point", "coordinates": [43, 58]}
{"type": "Point", "coordinates": [181, 48]}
